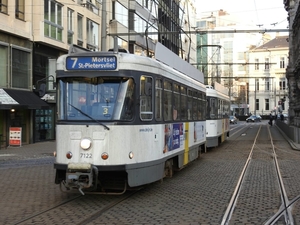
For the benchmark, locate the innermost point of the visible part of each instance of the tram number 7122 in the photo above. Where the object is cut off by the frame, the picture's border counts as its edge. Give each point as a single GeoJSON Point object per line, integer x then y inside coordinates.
{"type": "Point", "coordinates": [86, 155]}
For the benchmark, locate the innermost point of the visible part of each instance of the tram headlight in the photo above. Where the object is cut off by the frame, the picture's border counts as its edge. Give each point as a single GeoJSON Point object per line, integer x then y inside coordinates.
{"type": "Point", "coordinates": [85, 143]}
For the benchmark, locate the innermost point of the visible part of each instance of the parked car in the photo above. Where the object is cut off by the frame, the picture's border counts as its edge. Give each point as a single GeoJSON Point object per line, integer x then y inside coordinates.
{"type": "Point", "coordinates": [253, 119]}
{"type": "Point", "coordinates": [233, 119]}
{"type": "Point", "coordinates": [285, 116]}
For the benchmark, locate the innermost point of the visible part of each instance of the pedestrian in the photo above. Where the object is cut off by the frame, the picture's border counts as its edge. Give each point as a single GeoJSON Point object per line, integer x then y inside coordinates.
{"type": "Point", "coordinates": [282, 117]}
{"type": "Point", "coordinates": [271, 119]}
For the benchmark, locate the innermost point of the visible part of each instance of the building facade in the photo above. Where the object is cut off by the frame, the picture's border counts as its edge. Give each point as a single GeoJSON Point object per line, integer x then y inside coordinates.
{"type": "Point", "coordinates": [293, 69]}
{"type": "Point", "coordinates": [34, 33]}
{"type": "Point", "coordinates": [268, 89]}
{"type": "Point", "coordinates": [223, 56]}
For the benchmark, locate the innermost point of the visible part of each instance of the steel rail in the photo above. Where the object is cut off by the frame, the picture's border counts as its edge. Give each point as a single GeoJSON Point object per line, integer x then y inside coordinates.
{"type": "Point", "coordinates": [285, 208]}
{"type": "Point", "coordinates": [234, 197]}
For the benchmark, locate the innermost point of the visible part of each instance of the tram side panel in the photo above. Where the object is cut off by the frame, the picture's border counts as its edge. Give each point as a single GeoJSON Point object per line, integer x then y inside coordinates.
{"type": "Point", "coordinates": [140, 150]}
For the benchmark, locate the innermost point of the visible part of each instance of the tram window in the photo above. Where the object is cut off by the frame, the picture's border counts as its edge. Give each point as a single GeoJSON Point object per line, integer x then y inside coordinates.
{"type": "Point", "coordinates": [176, 103]}
{"type": "Point", "coordinates": [167, 94]}
{"type": "Point", "coordinates": [226, 108]}
{"type": "Point", "coordinates": [146, 98]}
{"type": "Point", "coordinates": [190, 104]}
{"type": "Point", "coordinates": [220, 108]}
{"type": "Point", "coordinates": [203, 107]}
{"type": "Point", "coordinates": [213, 108]}
{"type": "Point", "coordinates": [195, 100]}
{"type": "Point", "coordinates": [183, 105]}
{"type": "Point", "coordinates": [199, 101]}
{"type": "Point", "coordinates": [158, 99]}
{"type": "Point", "coordinates": [128, 107]}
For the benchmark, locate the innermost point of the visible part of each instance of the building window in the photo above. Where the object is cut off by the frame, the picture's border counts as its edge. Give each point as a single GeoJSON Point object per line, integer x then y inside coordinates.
{"type": "Point", "coordinates": [53, 20]}
{"type": "Point", "coordinates": [80, 30]}
{"type": "Point", "coordinates": [70, 26]}
{"type": "Point", "coordinates": [256, 104]}
{"type": "Point", "coordinates": [282, 85]}
{"type": "Point", "coordinates": [3, 65]}
{"type": "Point", "coordinates": [20, 9]}
{"type": "Point", "coordinates": [92, 30]}
{"type": "Point", "coordinates": [267, 104]}
{"type": "Point", "coordinates": [93, 5]}
{"type": "Point", "coordinates": [267, 85]}
{"type": "Point", "coordinates": [3, 6]}
{"type": "Point", "coordinates": [256, 85]}
{"type": "Point", "coordinates": [267, 63]}
{"type": "Point", "coordinates": [20, 68]}
{"type": "Point", "coordinates": [256, 64]}
{"type": "Point", "coordinates": [120, 13]}
{"type": "Point", "coordinates": [282, 62]}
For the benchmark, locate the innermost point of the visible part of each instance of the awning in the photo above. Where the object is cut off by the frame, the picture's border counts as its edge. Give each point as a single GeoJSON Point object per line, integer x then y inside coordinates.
{"type": "Point", "coordinates": [19, 99]}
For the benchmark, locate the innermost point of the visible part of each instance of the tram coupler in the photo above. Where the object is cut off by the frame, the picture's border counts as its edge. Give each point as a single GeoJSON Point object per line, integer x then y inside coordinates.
{"type": "Point", "coordinates": [80, 176]}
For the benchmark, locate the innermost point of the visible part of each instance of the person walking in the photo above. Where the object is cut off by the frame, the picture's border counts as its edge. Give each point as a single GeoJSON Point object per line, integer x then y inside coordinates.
{"type": "Point", "coordinates": [271, 119]}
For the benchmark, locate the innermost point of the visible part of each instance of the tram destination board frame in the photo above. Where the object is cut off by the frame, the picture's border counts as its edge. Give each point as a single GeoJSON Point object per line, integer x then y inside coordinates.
{"type": "Point", "coordinates": [91, 63]}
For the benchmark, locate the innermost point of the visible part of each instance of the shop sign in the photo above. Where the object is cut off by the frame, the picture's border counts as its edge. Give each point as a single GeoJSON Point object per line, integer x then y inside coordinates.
{"type": "Point", "coordinates": [15, 136]}
{"type": "Point", "coordinates": [49, 97]}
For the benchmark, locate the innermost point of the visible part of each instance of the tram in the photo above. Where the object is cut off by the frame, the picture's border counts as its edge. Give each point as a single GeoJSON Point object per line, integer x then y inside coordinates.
{"type": "Point", "coordinates": [217, 115]}
{"type": "Point", "coordinates": [125, 120]}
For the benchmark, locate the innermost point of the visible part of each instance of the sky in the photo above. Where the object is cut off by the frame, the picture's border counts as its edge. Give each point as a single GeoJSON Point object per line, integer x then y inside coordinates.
{"type": "Point", "coordinates": [260, 12]}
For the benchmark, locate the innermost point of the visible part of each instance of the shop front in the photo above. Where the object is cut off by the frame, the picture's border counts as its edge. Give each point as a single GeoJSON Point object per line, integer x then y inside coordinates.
{"type": "Point", "coordinates": [45, 119]}
{"type": "Point", "coordinates": [17, 110]}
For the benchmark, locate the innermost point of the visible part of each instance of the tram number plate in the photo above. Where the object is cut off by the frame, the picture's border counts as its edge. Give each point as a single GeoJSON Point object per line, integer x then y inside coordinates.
{"type": "Point", "coordinates": [86, 155]}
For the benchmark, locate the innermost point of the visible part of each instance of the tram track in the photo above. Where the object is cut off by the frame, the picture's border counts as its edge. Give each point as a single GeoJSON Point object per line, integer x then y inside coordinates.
{"type": "Point", "coordinates": [205, 187]}
{"type": "Point", "coordinates": [266, 148]}
{"type": "Point", "coordinates": [92, 206]}
{"type": "Point", "coordinates": [45, 211]}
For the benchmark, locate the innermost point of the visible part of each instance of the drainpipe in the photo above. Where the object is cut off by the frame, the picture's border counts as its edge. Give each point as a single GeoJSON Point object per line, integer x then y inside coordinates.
{"type": "Point", "coordinates": [103, 27]}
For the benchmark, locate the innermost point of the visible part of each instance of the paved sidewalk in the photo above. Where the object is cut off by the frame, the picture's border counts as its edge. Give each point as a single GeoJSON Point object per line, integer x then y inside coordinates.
{"type": "Point", "coordinates": [293, 144]}
{"type": "Point", "coordinates": [31, 151]}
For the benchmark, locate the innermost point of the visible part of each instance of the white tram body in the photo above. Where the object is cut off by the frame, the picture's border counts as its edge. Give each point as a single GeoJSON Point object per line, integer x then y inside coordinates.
{"type": "Point", "coordinates": [217, 115]}
{"type": "Point", "coordinates": [125, 120]}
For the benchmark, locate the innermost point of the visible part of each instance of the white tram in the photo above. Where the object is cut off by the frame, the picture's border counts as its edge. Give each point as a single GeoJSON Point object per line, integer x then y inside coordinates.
{"type": "Point", "coordinates": [126, 120]}
{"type": "Point", "coordinates": [217, 114]}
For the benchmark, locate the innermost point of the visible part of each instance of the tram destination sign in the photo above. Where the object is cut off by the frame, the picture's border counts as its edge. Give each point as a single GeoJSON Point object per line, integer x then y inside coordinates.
{"type": "Point", "coordinates": [91, 63]}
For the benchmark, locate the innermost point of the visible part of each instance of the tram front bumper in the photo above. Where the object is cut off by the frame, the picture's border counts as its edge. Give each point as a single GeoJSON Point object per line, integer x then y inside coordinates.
{"type": "Point", "coordinates": [79, 176]}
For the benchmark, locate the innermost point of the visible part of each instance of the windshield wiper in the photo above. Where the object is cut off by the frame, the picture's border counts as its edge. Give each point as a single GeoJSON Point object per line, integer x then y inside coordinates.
{"type": "Point", "coordinates": [83, 113]}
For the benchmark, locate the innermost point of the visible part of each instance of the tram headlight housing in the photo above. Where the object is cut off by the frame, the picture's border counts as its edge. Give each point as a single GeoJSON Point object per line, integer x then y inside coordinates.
{"type": "Point", "coordinates": [85, 143]}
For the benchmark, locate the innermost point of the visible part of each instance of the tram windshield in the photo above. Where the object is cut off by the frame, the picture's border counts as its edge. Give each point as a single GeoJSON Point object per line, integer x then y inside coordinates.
{"type": "Point", "coordinates": [100, 98]}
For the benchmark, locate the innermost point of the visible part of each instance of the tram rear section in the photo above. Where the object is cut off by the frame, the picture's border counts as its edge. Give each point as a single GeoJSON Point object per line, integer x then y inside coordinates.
{"type": "Point", "coordinates": [267, 188]}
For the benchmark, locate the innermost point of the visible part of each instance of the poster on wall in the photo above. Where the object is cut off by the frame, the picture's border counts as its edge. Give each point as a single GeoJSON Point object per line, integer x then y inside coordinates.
{"type": "Point", "coordinates": [15, 136]}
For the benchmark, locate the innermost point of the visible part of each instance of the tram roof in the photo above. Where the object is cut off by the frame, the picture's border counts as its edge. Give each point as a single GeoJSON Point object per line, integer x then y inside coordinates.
{"type": "Point", "coordinates": [169, 58]}
{"type": "Point", "coordinates": [162, 55]}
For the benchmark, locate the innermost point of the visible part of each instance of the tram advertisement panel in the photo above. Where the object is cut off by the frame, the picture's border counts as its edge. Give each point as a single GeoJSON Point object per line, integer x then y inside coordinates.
{"type": "Point", "coordinates": [173, 136]}
{"type": "Point", "coordinates": [199, 131]}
